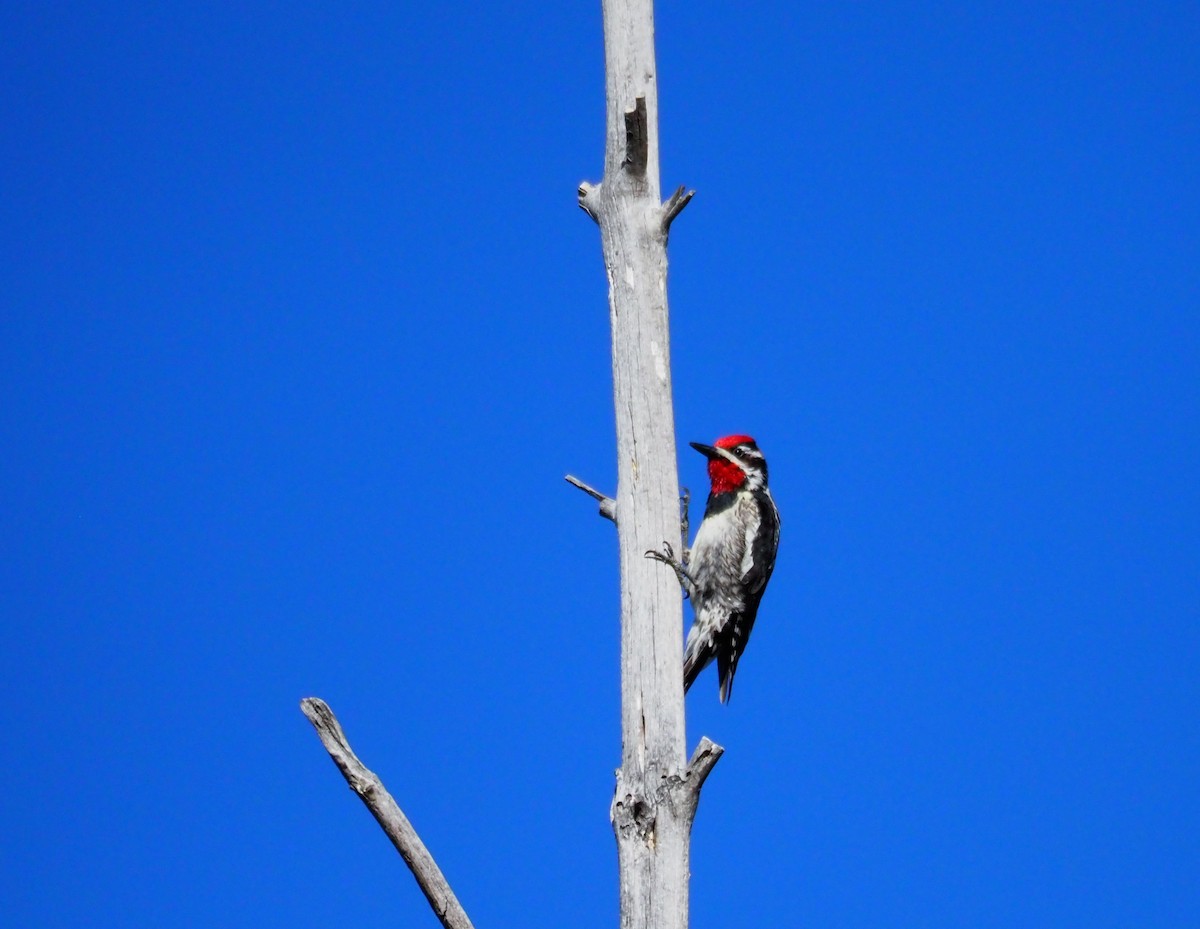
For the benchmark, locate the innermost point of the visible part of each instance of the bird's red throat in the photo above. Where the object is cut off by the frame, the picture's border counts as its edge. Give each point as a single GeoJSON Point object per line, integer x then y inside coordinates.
{"type": "Point", "coordinates": [725, 475]}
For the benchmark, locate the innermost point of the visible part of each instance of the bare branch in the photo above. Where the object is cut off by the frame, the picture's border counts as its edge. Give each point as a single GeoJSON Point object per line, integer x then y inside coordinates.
{"type": "Point", "coordinates": [608, 508]}
{"type": "Point", "coordinates": [674, 206]}
{"type": "Point", "coordinates": [388, 814]}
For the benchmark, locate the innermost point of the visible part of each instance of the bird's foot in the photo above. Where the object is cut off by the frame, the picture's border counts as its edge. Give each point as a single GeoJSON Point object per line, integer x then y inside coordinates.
{"type": "Point", "coordinates": [667, 557]}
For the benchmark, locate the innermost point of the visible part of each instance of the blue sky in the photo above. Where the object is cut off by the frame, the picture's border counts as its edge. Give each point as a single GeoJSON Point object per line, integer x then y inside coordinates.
{"type": "Point", "coordinates": [302, 328]}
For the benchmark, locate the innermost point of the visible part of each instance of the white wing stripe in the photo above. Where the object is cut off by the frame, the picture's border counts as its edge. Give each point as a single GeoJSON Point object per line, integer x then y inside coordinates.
{"type": "Point", "coordinates": [752, 523]}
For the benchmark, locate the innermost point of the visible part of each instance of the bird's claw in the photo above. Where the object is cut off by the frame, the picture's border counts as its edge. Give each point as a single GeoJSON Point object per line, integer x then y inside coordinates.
{"type": "Point", "coordinates": [666, 556]}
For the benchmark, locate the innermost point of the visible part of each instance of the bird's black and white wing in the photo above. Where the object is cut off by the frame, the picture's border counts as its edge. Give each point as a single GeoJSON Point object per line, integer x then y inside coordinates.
{"type": "Point", "coordinates": [761, 521]}
{"type": "Point", "coordinates": [762, 542]}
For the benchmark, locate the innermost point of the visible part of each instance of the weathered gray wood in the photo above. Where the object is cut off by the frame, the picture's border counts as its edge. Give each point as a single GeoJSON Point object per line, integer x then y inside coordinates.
{"type": "Point", "coordinates": [657, 791]}
{"type": "Point", "coordinates": [388, 814]}
{"type": "Point", "coordinates": [608, 506]}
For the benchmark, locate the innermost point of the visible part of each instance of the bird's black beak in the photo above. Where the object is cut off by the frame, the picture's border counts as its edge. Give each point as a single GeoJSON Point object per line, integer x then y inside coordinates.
{"type": "Point", "coordinates": [706, 450]}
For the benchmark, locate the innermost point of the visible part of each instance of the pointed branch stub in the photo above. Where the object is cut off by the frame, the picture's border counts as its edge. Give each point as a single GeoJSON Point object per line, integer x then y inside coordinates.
{"type": "Point", "coordinates": [703, 760]}
{"type": "Point", "coordinates": [608, 506]}
{"type": "Point", "coordinates": [589, 200]}
{"type": "Point", "coordinates": [674, 206]}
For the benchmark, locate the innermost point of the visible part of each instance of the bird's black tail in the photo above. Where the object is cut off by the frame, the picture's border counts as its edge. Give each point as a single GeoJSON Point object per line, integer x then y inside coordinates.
{"type": "Point", "coordinates": [726, 665]}
{"type": "Point", "coordinates": [694, 661]}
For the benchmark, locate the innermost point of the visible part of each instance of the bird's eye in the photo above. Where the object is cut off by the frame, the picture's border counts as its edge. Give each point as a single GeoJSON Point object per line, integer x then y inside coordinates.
{"type": "Point", "coordinates": [742, 451]}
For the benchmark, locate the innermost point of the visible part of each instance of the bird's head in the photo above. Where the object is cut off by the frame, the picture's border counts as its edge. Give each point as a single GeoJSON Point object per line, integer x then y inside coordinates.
{"type": "Point", "coordinates": [734, 461]}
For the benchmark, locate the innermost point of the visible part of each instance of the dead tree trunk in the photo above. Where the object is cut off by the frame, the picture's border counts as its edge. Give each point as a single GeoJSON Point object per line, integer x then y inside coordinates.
{"type": "Point", "coordinates": [657, 791]}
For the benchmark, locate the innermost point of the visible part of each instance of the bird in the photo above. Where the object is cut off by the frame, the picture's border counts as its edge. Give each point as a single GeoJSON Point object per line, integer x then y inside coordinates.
{"type": "Point", "coordinates": [727, 568]}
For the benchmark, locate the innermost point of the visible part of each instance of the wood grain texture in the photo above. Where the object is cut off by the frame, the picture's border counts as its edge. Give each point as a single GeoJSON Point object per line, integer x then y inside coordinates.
{"type": "Point", "coordinates": [657, 791]}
